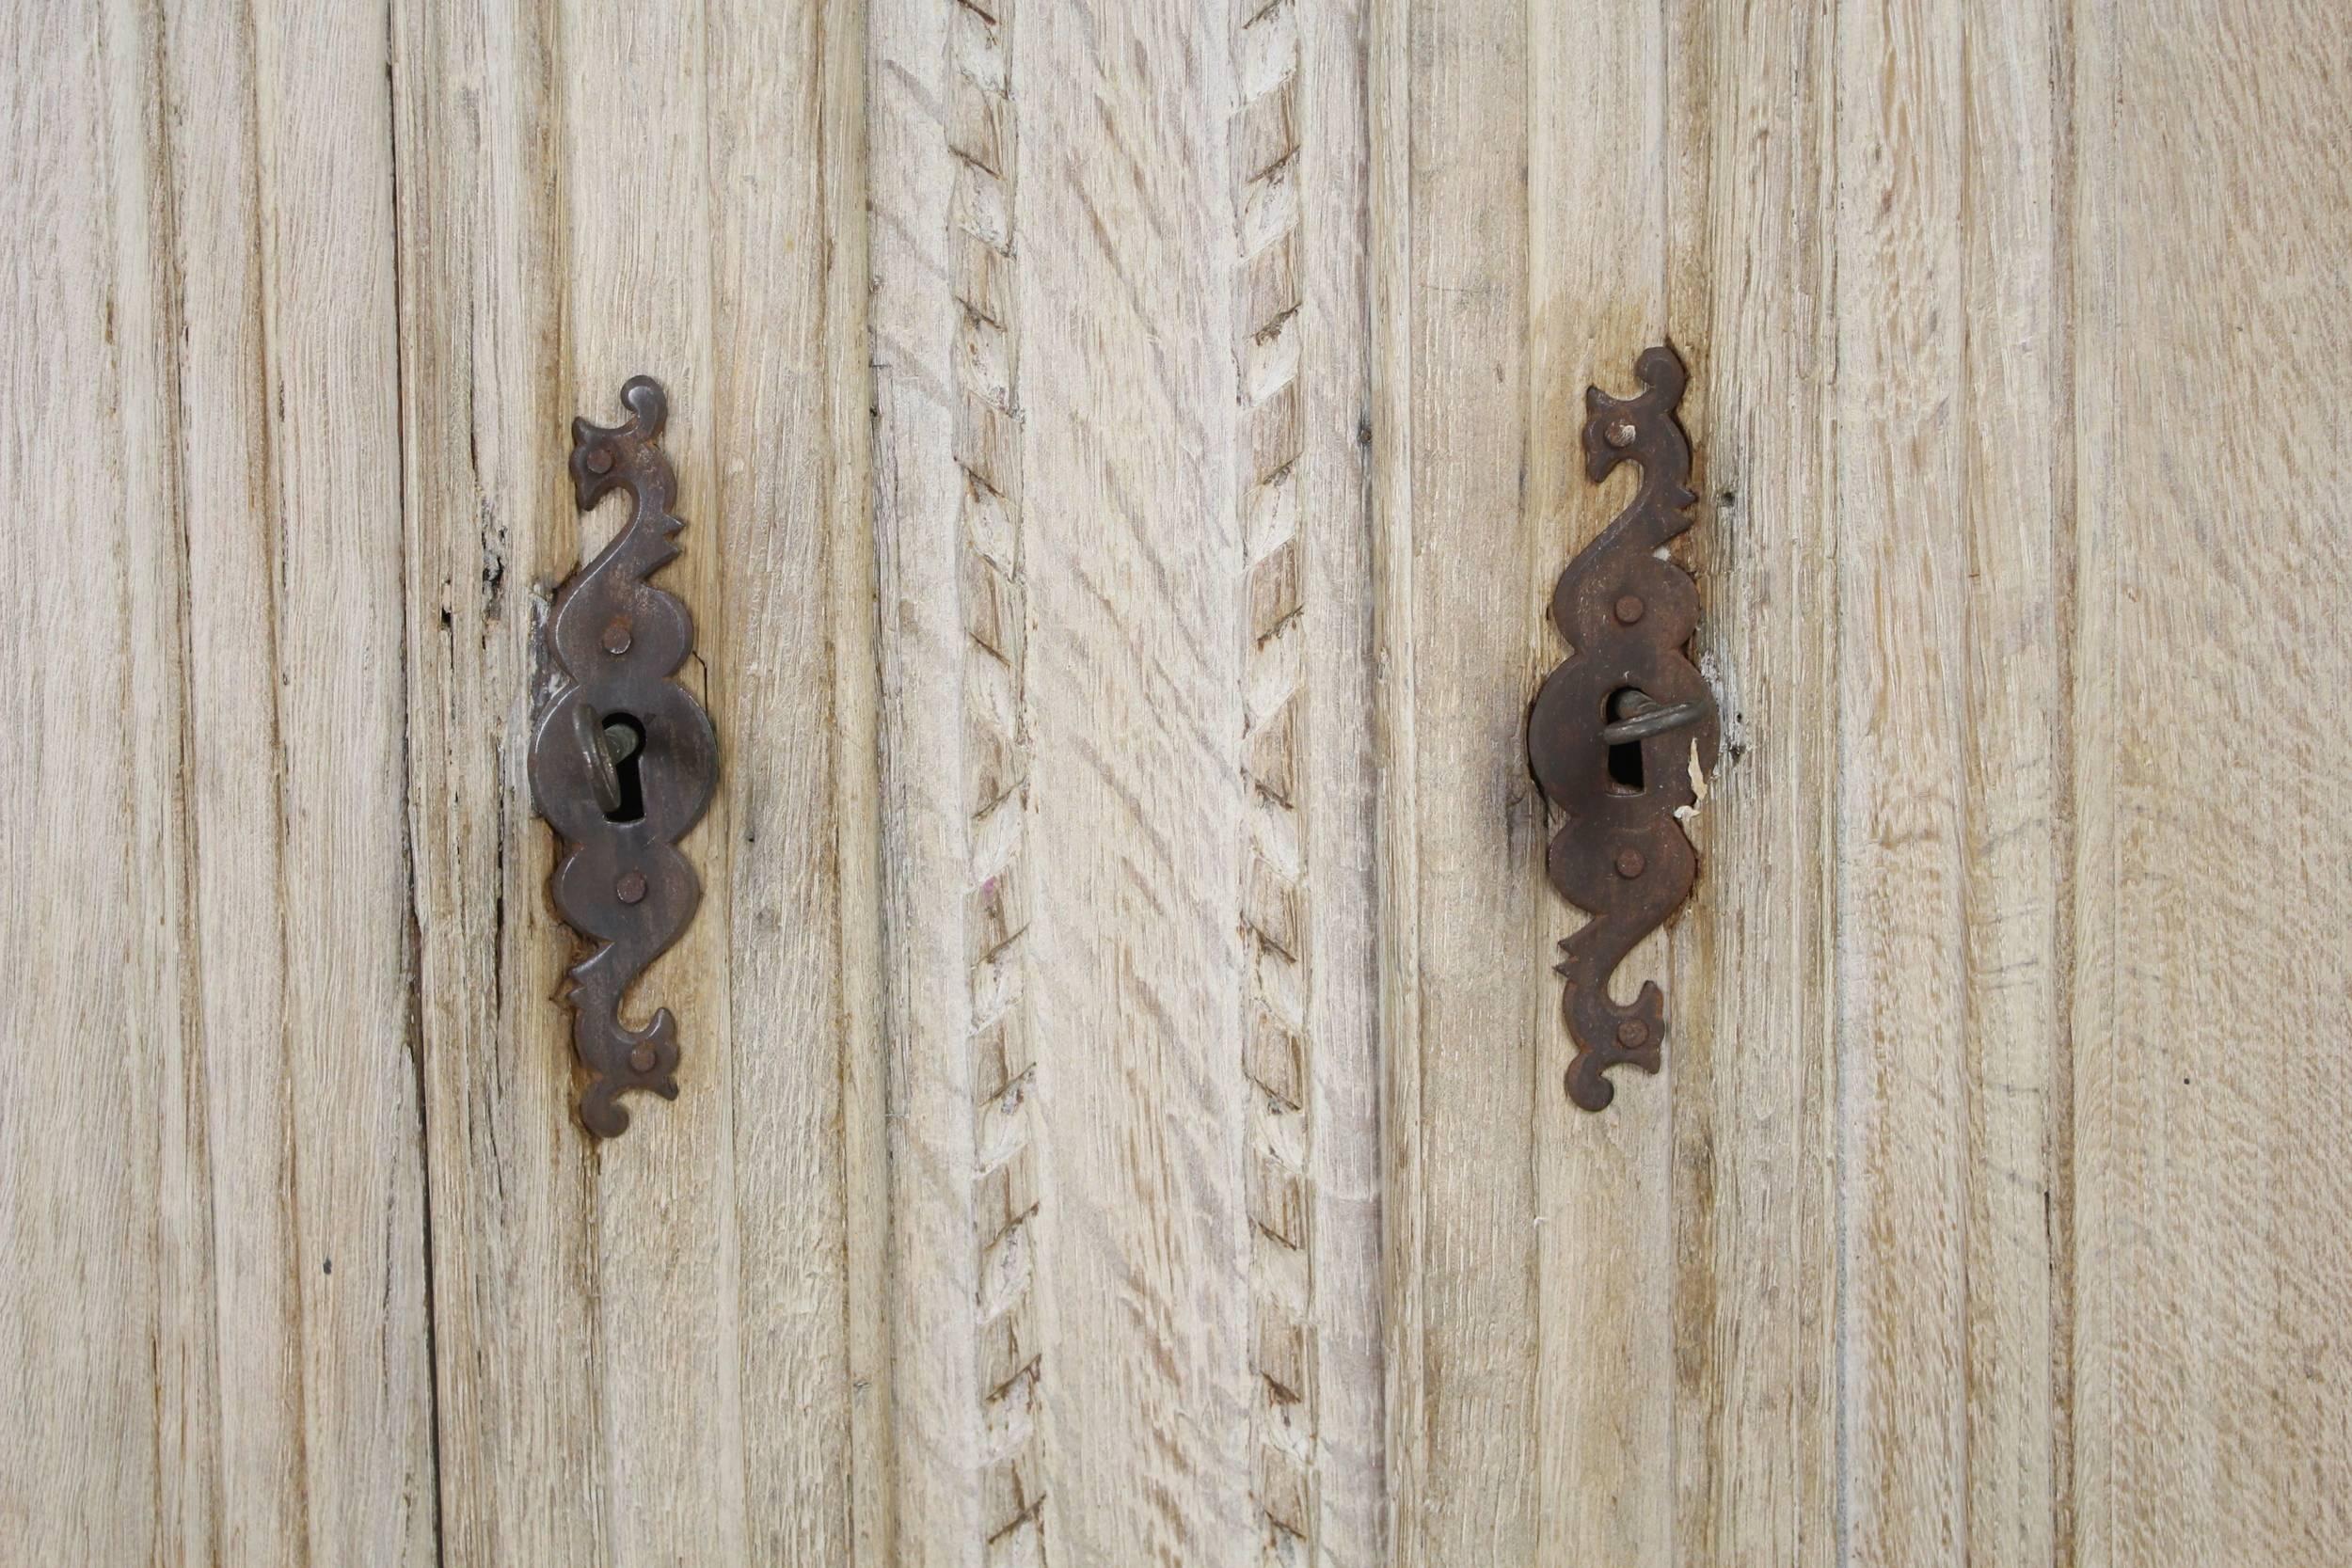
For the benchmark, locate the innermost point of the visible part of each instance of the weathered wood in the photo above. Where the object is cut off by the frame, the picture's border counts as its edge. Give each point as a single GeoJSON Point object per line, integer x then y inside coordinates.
{"type": "Point", "coordinates": [1952, 832]}
{"type": "Point", "coordinates": [1753, 1073]}
{"type": "Point", "coordinates": [1122, 1113]}
{"type": "Point", "coordinates": [110, 1433]}
{"type": "Point", "coordinates": [1126, 748]}
{"type": "Point", "coordinates": [2212, 891]}
{"type": "Point", "coordinates": [651, 1348]}
{"type": "Point", "coordinates": [217, 1251]}
{"type": "Point", "coordinates": [490, 528]}
{"type": "Point", "coordinates": [1464, 826]}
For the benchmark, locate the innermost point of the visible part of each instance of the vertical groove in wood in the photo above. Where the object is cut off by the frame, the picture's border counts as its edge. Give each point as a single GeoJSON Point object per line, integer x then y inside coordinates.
{"type": "Point", "coordinates": [2012, 512]}
{"type": "Point", "coordinates": [994, 596]}
{"type": "Point", "coordinates": [1599, 192]}
{"type": "Point", "coordinates": [1279, 1060]}
{"type": "Point", "coordinates": [110, 1435]}
{"type": "Point", "coordinates": [1406, 1396]}
{"type": "Point", "coordinates": [1901, 890]}
{"type": "Point", "coordinates": [1462, 826]}
{"type": "Point", "coordinates": [1751, 1054]}
{"type": "Point", "coordinates": [2096, 1385]}
{"type": "Point", "coordinates": [491, 530]}
{"type": "Point", "coordinates": [2214, 1257]}
{"type": "Point", "coordinates": [854, 692]}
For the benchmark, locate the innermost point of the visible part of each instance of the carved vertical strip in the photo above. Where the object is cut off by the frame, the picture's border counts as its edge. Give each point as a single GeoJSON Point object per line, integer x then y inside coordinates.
{"type": "Point", "coordinates": [1277, 1045]}
{"type": "Point", "coordinates": [994, 603]}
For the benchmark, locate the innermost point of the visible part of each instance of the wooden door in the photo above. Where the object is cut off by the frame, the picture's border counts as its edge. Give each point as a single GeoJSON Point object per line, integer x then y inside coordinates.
{"type": "Point", "coordinates": [1125, 451]}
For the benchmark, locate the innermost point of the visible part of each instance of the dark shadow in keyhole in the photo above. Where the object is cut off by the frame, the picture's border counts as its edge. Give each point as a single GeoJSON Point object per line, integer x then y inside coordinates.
{"type": "Point", "coordinates": [1625, 759]}
{"type": "Point", "coordinates": [625, 742]}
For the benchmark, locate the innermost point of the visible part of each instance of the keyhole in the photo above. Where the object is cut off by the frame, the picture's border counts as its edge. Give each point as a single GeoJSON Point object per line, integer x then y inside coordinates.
{"type": "Point", "coordinates": [1625, 758]}
{"type": "Point", "coordinates": [624, 743]}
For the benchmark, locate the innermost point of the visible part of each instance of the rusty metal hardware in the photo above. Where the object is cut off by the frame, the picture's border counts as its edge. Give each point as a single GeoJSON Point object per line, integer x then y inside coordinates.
{"type": "Point", "coordinates": [1616, 732]}
{"type": "Point", "coordinates": [624, 760]}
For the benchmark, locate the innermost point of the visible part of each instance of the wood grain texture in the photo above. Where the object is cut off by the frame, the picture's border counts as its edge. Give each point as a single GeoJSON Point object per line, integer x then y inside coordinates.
{"type": "Point", "coordinates": [111, 1432]}
{"type": "Point", "coordinates": [215, 1289]}
{"type": "Point", "coordinates": [1121, 373]}
{"type": "Point", "coordinates": [2211, 1014]}
{"type": "Point", "coordinates": [1463, 829]}
{"type": "Point", "coordinates": [1331, 775]}
{"type": "Point", "coordinates": [1953, 596]}
{"type": "Point", "coordinates": [1753, 1071]}
{"type": "Point", "coordinates": [650, 1348]}
{"type": "Point", "coordinates": [1125, 452]}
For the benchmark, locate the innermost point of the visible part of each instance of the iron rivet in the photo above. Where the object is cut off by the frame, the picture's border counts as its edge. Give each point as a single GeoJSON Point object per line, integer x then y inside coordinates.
{"type": "Point", "coordinates": [631, 887]}
{"type": "Point", "coordinates": [1621, 434]}
{"type": "Point", "coordinates": [1630, 863]}
{"type": "Point", "coordinates": [1629, 609]}
{"type": "Point", "coordinates": [617, 637]}
{"type": "Point", "coordinates": [640, 1059]}
{"type": "Point", "coordinates": [1632, 1033]}
{"type": "Point", "coordinates": [599, 460]}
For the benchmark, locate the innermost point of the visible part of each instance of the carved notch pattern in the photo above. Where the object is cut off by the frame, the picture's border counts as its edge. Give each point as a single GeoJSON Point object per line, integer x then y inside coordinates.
{"type": "Point", "coordinates": [616, 640]}
{"type": "Point", "coordinates": [1621, 855]}
{"type": "Point", "coordinates": [1280, 1187]}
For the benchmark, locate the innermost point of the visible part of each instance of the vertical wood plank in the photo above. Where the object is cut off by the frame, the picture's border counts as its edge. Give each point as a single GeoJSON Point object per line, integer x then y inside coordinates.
{"type": "Point", "coordinates": [1954, 588]}
{"type": "Point", "coordinates": [111, 1435]}
{"type": "Point", "coordinates": [2214, 1091]}
{"type": "Point", "coordinates": [1902, 911]}
{"type": "Point", "coordinates": [353, 1179]}
{"type": "Point", "coordinates": [1330, 765]}
{"type": "Point", "coordinates": [491, 530]}
{"type": "Point", "coordinates": [1597, 198]}
{"type": "Point", "coordinates": [795, 658]}
{"type": "Point", "coordinates": [1751, 1068]}
{"type": "Point", "coordinates": [1462, 825]}
{"type": "Point", "coordinates": [281, 204]}
{"type": "Point", "coordinates": [2015, 449]}
{"type": "Point", "coordinates": [1143, 904]}
{"type": "Point", "coordinates": [945, 354]}
{"type": "Point", "coordinates": [660, 1348]}
{"type": "Point", "coordinates": [1121, 513]}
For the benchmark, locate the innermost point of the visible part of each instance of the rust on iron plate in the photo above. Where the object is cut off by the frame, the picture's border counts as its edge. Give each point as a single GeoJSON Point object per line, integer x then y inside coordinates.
{"type": "Point", "coordinates": [1614, 731]}
{"type": "Point", "coordinates": [624, 760]}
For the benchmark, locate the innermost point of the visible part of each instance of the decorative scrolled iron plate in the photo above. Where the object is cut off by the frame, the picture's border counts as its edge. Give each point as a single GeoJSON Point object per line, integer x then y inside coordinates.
{"type": "Point", "coordinates": [1614, 731]}
{"type": "Point", "coordinates": [624, 760]}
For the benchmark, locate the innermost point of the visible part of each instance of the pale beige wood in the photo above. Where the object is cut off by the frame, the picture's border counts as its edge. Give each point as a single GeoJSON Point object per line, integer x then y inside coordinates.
{"type": "Point", "coordinates": [110, 1434]}
{"type": "Point", "coordinates": [1952, 592]}
{"type": "Point", "coordinates": [793, 682]}
{"type": "Point", "coordinates": [660, 1348]}
{"type": "Point", "coordinates": [1331, 770]}
{"type": "Point", "coordinates": [2210, 1013]}
{"type": "Point", "coordinates": [1463, 827]}
{"type": "Point", "coordinates": [1752, 1068]}
{"type": "Point", "coordinates": [1121, 512]}
{"type": "Point", "coordinates": [220, 1313]}
{"type": "Point", "coordinates": [1903, 800]}
{"type": "Point", "coordinates": [2014, 454]}
{"type": "Point", "coordinates": [1597, 84]}
{"type": "Point", "coordinates": [281, 201]}
{"type": "Point", "coordinates": [491, 530]}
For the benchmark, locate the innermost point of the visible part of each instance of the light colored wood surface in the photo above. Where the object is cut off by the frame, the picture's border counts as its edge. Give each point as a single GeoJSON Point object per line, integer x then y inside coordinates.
{"type": "Point", "coordinates": [659, 1349]}
{"type": "Point", "coordinates": [216, 1320]}
{"type": "Point", "coordinates": [1128, 820]}
{"type": "Point", "coordinates": [1125, 453]}
{"type": "Point", "coordinates": [1752, 1086]}
{"type": "Point", "coordinates": [2211, 1019]}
